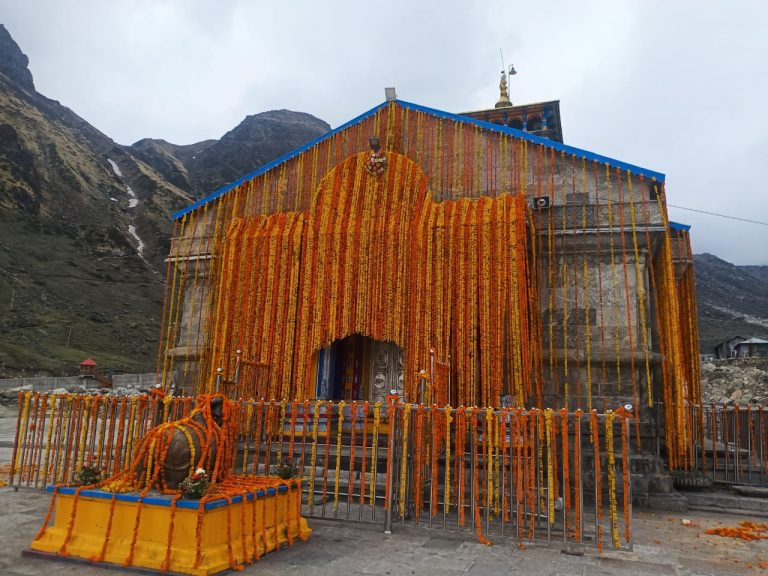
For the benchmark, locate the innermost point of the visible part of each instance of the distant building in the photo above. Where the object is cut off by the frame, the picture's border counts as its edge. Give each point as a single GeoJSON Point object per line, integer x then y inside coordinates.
{"type": "Point", "coordinates": [88, 368]}
{"type": "Point", "coordinates": [752, 348]}
{"type": "Point", "coordinates": [726, 349]}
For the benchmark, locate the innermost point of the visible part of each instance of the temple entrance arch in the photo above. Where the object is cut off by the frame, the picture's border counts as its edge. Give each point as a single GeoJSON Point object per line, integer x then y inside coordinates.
{"type": "Point", "coordinates": [358, 367]}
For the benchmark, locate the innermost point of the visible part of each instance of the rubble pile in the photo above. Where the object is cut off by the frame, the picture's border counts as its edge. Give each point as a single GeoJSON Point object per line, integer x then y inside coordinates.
{"type": "Point", "coordinates": [735, 381]}
{"type": "Point", "coordinates": [10, 396]}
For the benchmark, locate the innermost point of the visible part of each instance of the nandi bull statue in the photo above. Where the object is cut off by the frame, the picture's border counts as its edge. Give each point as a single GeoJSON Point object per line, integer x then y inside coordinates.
{"type": "Point", "coordinates": [174, 450]}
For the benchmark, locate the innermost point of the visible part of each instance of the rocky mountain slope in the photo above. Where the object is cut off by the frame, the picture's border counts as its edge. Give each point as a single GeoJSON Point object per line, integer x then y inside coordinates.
{"type": "Point", "coordinates": [83, 229]}
{"type": "Point", "coordinates": [206, 166]}
{"type": "Point", "coordinates": [732, 300]}
{"type": "Point", "coordinates": [85, 223]}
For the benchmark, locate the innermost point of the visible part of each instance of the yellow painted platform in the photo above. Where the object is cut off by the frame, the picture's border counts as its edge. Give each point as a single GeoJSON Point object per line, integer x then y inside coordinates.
{"type": "Point", "coordinates": [226, 532]}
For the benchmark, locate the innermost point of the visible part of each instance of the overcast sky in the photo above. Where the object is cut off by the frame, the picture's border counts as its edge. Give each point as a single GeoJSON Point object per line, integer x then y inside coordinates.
{"type": "Point", "coordinates": [676, 86]}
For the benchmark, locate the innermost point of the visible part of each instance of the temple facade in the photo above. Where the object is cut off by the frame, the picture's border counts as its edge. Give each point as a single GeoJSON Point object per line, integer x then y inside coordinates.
{"type": "Point", "coordinates": [464, 259]}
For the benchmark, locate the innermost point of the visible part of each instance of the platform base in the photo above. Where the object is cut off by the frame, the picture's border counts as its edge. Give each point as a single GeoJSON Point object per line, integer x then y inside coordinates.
{"type": "Point", "coordinates": [255, 523]}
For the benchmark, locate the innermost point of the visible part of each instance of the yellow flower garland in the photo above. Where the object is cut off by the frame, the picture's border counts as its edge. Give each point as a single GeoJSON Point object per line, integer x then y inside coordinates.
{"type": "Point", "coordinates": [609, 416]}
{"type": "Point", "coordinates": [550, 467]}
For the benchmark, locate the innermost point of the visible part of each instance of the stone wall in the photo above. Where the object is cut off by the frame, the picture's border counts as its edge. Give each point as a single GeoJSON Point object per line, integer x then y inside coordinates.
{"type": "Point", "coordinates": [48, 383]}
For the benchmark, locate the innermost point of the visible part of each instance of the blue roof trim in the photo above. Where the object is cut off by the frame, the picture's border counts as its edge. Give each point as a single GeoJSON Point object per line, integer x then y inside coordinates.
{"type": "Point", "coordinates": [276, 162]}
{"type": "Point", "coordinates": [440, 114]}
{"type": "Point", "coordinates": [166, 500]}
{"type": "Point", "coordinates": [537, 140]}
{"type": "Point", "coordinates": [678, 226]}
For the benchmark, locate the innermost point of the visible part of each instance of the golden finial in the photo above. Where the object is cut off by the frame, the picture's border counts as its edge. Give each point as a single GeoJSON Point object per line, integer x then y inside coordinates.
{"type": "Point", "coordinates": [504, 93]}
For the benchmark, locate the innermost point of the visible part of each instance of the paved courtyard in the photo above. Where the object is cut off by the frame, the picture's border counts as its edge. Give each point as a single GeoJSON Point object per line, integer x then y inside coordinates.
{"type": "Point", "coordinates": [663, 546]}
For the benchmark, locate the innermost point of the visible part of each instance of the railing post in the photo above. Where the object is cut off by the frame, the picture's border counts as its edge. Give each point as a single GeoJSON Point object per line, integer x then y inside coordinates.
{"type": "Point", "coordinates": [389, 498]}
{"type": "Point", "coordinates": [219, 370]}
{"type": "Point", "coordinates": [628, 487]}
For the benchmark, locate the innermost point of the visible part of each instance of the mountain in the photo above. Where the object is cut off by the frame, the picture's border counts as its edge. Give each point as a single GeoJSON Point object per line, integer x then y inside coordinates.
{"type": "Point", "coordinates": [203, 167]}
{"type": "Point", "coordinates": [81, 246]}
{"type": "Point", "coordinates": [732, 300]}
{"type": "Point", "coordinates": [85, 223]}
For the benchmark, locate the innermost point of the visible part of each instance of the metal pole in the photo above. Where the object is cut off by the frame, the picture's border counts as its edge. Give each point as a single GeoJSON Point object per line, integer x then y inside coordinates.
{"type": "Point", "coordinates": [713, 433]}
{"type": "Point", "coordinates": [391, 475]}
{"type": "Point", "coordinates": [488, 471]}
{"type": "Point", "coordinates": [41, 441]}
{"type": "Point", "coordinates": [472, 471]}
{"type": "Point", "coordinates": [749, 444]}
{"type": "Point", "coordinates": [537, 455]}
{"type": "Point", "coordinates": [566, 488]}
{"type": "Point", "coordinates": [736, 443]}
{"type": "Point", "coordinates": [238, 358]}
{"type": "Point", "coordinates": [581, 481]}
{"type": "Point", "coordinates": [629, 472]}
{"type": "Point", "coordinates": [218, 379]}
{"type": "Point", "coordinates": [432, 473]}
{"type": "Point", "coordinates": [759, 436]}
{"type": "Point", "coordinates": [598, 503]}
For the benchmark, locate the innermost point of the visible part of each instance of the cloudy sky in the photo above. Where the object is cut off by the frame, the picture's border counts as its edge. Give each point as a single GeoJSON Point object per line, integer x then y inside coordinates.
{"type": "Point", "coordinates": [677, 86]}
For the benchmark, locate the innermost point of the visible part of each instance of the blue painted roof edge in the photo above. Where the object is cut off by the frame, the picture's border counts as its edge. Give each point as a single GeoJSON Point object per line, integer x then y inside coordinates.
{"type": "Point", "coordinates": [440, 114]}
{"type": "Point", "coordinates": [678, 226]}
{"type": "Point", "coordinates": [276, 162]}
{"type": "Point", "coordinates": [537, 140]}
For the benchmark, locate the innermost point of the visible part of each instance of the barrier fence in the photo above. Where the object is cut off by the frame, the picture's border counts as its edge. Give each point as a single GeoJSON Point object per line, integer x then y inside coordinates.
{"type": "Point", "coordinates": [510, 473]}
{"type": "Point", "coordinates": [729, 443]}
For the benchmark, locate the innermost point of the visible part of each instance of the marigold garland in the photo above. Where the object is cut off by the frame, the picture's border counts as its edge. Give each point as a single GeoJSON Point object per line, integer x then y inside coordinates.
{"type": "Point", "coordinates": [611, 466]}
{"type": "Point", "coordinates": [550, 467]}
{"type": "Point", "coordinates": [565, 468]}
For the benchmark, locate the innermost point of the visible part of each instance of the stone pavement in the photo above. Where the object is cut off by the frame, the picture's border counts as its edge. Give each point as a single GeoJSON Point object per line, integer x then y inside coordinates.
{"type": "Point", "coordinates": [663, 546]}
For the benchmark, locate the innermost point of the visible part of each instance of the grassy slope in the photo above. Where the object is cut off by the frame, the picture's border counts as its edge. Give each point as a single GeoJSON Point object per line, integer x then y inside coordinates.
{"type": "Point", "coordinates": [112, 305]}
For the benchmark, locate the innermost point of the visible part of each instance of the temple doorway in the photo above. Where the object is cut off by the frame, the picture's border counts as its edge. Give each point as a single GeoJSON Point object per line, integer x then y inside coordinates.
{"type": "Point", "coordinates": [358, 368]}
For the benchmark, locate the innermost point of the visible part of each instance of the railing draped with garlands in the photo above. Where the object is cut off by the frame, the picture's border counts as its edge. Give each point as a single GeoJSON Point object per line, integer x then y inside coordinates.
{"type": "Point", "coordinates": [728, 444]}
{"type": "Point", "coordinates": [528, 475]}
{"type": "Point", "coordinates": [56, 434]}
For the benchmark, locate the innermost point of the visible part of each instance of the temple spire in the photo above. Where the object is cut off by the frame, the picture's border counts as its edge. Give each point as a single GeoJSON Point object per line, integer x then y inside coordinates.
{"type": "Point", "coordinates": [504, 100]}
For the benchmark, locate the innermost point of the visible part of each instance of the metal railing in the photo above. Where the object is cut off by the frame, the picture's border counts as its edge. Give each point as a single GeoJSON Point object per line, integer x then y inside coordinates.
{"type": "Point", "coordinates": [729, 443]}
{"type": "Point", "coordinates": [509, 473]}
{"type": "Point", "coordinates": [55, 433]}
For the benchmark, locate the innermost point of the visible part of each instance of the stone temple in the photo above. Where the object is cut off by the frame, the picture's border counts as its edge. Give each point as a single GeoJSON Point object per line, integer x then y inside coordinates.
{"type": "Point", "coordinates": [465, 259]}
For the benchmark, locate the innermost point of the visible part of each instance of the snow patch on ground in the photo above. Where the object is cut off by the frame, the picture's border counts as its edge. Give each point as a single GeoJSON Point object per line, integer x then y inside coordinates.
{"type": "Point", "coordinates": [115, 167]}
{"type": "Point", "coordinates": [140, 246]}
{"type": "Point", "coordinates": [133, 201]}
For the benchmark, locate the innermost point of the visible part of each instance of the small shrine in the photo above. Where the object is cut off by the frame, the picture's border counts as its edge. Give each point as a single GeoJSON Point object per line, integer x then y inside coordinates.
{"type": "Point", "coordinates": [88, 368]}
